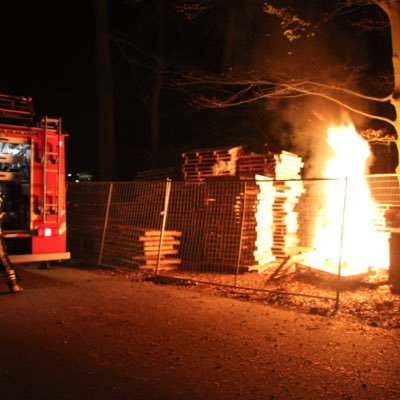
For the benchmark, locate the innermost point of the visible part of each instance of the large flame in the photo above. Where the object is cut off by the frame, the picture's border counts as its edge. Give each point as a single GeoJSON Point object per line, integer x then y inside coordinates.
{"type": "Point", "coordinates": [345, 234]}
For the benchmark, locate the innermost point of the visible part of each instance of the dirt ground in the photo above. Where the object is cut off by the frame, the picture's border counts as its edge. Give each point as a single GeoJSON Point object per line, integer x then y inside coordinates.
{"type": "Point", "coordinates": [369, 300]}
{"type": "Point", "coordinates": [79, 333]}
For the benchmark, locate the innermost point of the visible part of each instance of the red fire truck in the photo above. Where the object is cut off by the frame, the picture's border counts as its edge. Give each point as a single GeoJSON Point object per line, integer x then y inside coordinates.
{"type": "Point", "coordinates": [32, 183]}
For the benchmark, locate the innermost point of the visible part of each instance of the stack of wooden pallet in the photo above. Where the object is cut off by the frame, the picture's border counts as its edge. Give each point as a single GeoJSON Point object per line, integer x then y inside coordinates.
{"type": "Point", "coordinates": [252, 163]}
{"type": "Point", "coordinates": [289, 188]}
{"type": "Point", "coordinates": [274, 228]}
{"type": "Point", "coordinates": [248, 205]}
{"type": "Point", "coordinates": [201, 164]}
{"type": "Point", "coordinates": [263, 254]}
{"type": "Point", "coordinates": [267, 231]}
{"type": "Point", "coordinates": [287, 165]}
{"type": "Point", "coordinates": [285, 220]}
{"type": "Point", "coordinates": [150, 251]}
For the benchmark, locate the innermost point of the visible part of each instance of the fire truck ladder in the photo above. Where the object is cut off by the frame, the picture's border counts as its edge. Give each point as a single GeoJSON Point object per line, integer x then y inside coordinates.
{"type": "Point", "coordinates": [51, 158]}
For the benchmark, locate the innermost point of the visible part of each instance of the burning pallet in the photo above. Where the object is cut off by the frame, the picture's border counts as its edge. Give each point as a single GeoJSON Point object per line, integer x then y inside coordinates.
{"type": "Point", "coordinates": [151, 252]}
{"type": "Point", "coordinates": [331, 273]}
{"type": "Point", "coordinates": [309, 263]}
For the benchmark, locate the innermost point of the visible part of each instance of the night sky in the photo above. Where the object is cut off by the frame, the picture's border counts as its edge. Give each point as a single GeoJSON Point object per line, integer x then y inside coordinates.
{"type": "Point", "coordinates": [48, 53]}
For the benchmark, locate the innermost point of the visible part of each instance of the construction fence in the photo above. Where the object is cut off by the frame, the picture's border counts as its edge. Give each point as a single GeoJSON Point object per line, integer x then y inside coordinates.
{"type": "Point", "coordinates": [254, 234]}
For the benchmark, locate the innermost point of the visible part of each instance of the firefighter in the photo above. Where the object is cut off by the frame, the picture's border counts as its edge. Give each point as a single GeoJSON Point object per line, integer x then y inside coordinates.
{"type": "Point", "coordinates": [6, 266]}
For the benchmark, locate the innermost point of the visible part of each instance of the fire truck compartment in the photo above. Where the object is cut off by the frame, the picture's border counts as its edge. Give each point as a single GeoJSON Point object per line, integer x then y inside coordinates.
{"type": "Point", "coordinates": [15, 185]}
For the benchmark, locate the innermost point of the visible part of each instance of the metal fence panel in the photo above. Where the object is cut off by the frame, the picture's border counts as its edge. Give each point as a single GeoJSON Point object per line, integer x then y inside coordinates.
{"type": "Point", "coordinates": [261, 234]}
{"type": "Point", "coordinates": [133, 224]}
{"type": "Point", "coordinates": [385, 189]}
{"type": "Point", "coordinates": [86, 212]}
{"type": "Point", "coordinates": [208, 217]}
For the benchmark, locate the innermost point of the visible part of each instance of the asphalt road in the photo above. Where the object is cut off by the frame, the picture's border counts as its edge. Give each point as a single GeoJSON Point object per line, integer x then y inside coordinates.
{"type": "Point", "coordinates": [78, 334]}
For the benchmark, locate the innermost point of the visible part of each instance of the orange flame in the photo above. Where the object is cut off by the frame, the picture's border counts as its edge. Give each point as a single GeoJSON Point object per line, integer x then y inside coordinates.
{"type": "Point", "coordinates": [345, 232]}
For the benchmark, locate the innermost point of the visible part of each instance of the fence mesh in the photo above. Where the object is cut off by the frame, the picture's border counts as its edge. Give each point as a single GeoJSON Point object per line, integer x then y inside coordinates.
{"type": "Point", "coordinates": [134, 212]}
{"type": "Point", "coordinates": [209, 219]}
{"type": "Point", "coordinates": [86, 212]}
{"type": "Point", "coordinates": [261, 234]}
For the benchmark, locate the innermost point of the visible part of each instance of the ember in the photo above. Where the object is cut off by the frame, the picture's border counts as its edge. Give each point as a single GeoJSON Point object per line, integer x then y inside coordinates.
{"type": "Point", "coordinates": [346, 235]}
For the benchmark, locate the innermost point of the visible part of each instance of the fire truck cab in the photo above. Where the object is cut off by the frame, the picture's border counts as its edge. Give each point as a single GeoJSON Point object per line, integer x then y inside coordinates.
{"type": "Point", "coordinates": [32, 183]}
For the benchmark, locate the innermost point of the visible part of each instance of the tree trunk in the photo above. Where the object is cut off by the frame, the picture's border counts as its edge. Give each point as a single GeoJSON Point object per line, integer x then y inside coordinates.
{"type": "Point", "coordinates": [392, 10]}
{"type": "Point", "coordinates": [104, 92]}
{"type": "Point", "coordinates": [157, 88]}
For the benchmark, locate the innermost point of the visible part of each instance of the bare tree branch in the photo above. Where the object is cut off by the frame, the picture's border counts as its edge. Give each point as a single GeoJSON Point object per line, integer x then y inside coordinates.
{"type": "Point", "coordinates": [349, 92]}
{"type": "Point", "coordinates": [248, 91]}
{"type": "Point", "coordinates": [347, 106]}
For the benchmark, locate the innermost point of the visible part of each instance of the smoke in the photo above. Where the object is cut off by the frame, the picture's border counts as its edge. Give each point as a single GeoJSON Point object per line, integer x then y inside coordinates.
{"type": "Point", "coordinates": [301, 125]}
{"type": "Point", "coordinates": [301, 128]}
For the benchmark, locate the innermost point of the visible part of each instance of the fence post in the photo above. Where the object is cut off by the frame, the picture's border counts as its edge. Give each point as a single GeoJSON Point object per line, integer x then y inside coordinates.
{"type": "Point", "coordinates": [241, 233]}
{"type": "Point", "coordinates": [103, 237]}
{"type": "Point", "coordinates": [341, 245]}
{"type": "Point", "coordinates": [164, 214]}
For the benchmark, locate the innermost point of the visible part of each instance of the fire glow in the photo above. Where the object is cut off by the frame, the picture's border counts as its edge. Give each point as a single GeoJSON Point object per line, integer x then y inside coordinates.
{"type": "Point", "coordinates": [345, 232]}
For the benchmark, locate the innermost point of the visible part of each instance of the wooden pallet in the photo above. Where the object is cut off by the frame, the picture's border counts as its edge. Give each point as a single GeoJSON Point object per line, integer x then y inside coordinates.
{"type": "Point", "coordinates": [149, 250]}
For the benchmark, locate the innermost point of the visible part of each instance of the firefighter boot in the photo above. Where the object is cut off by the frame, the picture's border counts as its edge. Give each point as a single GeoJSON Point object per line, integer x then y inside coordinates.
{"type": "Point", "coordinates": [12, 282]}
{"type": "Point", "coordinates": [14, 288]}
